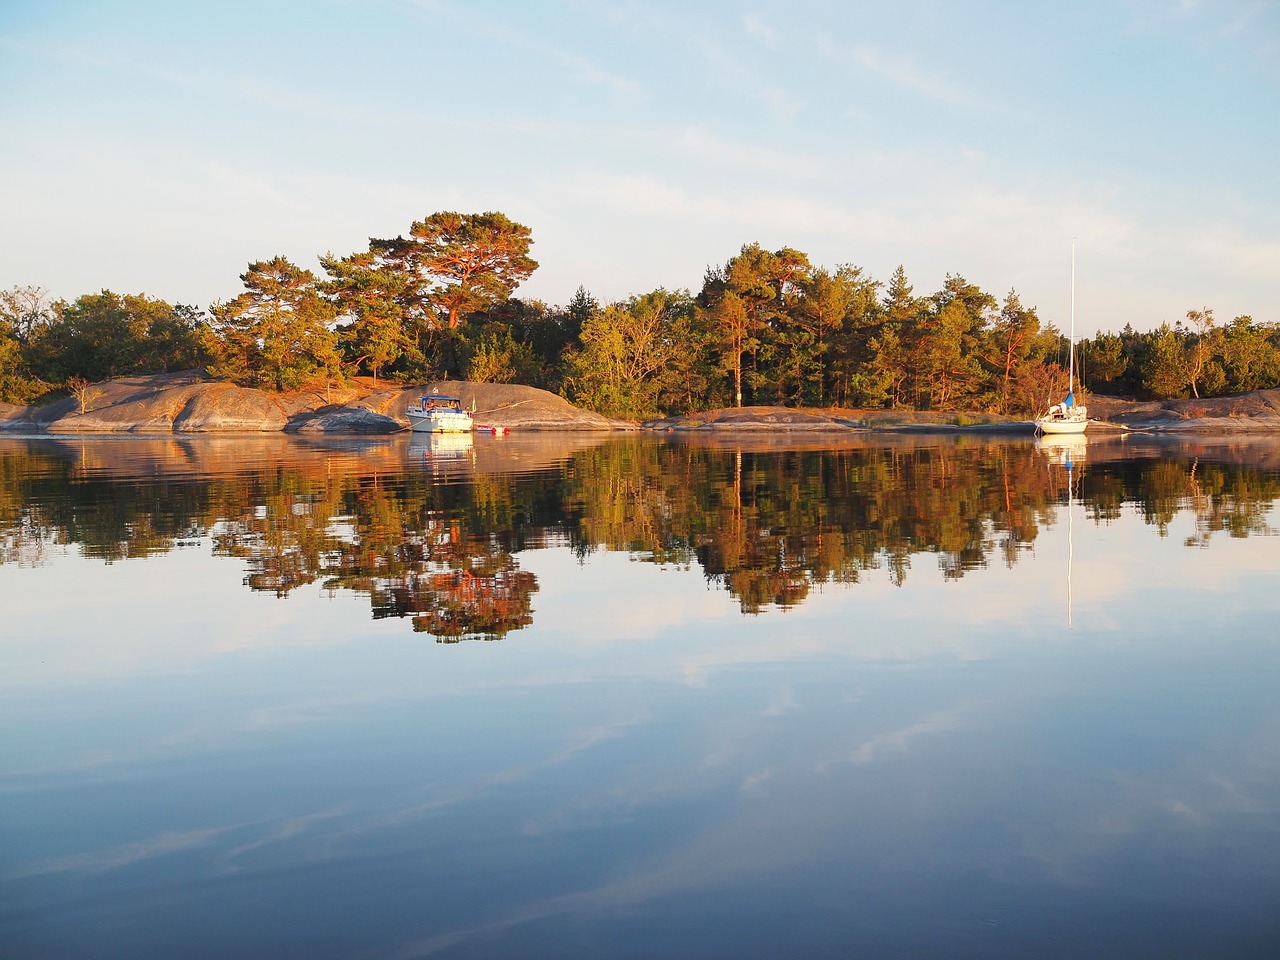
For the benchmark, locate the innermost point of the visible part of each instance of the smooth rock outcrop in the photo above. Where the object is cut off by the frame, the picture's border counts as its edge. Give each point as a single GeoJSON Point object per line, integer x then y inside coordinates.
{"type": "Point", "coordinates": [189, 403]}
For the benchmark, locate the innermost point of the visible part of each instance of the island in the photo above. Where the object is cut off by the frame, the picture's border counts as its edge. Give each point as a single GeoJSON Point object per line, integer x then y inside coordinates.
{"type": "Point", "coordinates": [190, 402]}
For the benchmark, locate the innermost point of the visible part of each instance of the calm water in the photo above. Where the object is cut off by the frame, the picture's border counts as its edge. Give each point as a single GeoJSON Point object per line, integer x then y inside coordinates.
{"type": "Point", "coordinates": [540, 696]}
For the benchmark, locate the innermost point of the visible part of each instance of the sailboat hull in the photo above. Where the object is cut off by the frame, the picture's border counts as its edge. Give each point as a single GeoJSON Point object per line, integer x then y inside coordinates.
{"type": "Point", "coordinates": [1062, 425]}
{"type": "Point", "coordinates": [1063, 419]}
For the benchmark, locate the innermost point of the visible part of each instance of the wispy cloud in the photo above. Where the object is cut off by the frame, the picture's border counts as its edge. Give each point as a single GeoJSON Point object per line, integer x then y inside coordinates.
{"type": "Point", "coordinates": [57, 52]}
{"type": "Point", "coordinates": [586, 70]}
{"type": "Point", "coordinates": [706, 146]}
{"type": "Point", "coordinates": [737, 75]}
{"type": "Point", "coordinates": [1233, 251]}
{"type": "Point", "coordinates": [254, 90]}
{"type": "Point", "coordinates": [1252, 24]}
{"type": "Point", "coordinates": [755, 26]}
{"type": "Point", "coordinates": [905, 72]}
{"type": "Point", "coordinates": [241, 86]}
{"type": "Point", "coordinates": [500, 31]}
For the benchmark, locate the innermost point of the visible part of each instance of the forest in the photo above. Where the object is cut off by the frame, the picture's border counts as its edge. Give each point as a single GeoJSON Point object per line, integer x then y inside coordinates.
{"type": "Point", "coordinates": [765, 328]}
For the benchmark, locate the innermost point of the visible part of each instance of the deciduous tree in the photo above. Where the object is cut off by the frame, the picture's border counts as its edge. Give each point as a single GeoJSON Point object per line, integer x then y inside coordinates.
{"type": "Point", "coordinates": [103, 335]}
{"type": "Point", "coordinates": [1205, 345]}
{"type": "Point", "coordinates": [26, 310]}
{"type": "Point", "coordinates": [23, 312]}
{"type": "Point", "coordinates": [17, 384]}
{"type": "Point", "coordinates": [626, 353]}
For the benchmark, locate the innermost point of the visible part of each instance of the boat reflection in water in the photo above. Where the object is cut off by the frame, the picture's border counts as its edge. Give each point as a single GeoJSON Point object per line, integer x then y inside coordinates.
{"type": "Point", "coordinates": [1063, 448]}
{"type": "Point", "coordinates": [1067, 450]}
{"type": "Point", "coordinates": [445, 454]}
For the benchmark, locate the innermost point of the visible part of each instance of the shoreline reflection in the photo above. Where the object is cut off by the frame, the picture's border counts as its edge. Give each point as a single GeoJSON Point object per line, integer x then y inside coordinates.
{"type": "Point", "coordinates": [431, 530]}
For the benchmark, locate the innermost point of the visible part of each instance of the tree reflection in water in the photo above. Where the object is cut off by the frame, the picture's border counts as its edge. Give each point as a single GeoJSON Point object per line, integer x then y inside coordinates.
{"type": "Point", "coordinates": [766, 523]}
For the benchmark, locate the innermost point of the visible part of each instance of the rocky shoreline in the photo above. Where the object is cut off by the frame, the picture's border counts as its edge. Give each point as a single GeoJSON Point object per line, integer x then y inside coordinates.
{"type": "Point", "coordinates": [1252, 413]}
{"type": "Point", "coordinates": [189, 403]}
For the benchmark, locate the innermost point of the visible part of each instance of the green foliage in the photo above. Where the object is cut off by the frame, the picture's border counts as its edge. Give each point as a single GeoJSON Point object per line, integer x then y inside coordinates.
{"type": "Point", "coordinates": [491, 360]}
{"type": "Point", "coordinates": [540, 335]}
{"type": "Point", "coordinates": [277, 333]}
{"type": "Point", "coordinates": [397, 298]}
{"type": "Point", "coordinates": [627, 355]}
{"type": "Point", "coordinates": [1166, 372]}
{"type": "Point", "coordinates": [24, 312]}
{"type": "Point", "coordinates": [943, 371]}
{"type": "Point", "coordinates": [497, 357]}
{"type": "Point", "coordinates": [942, 342]}
{"type": "Point", "coordinates": [1197, 359]}
{"type": "Point", "coordinates": [745, 307]}
{"type": "Point", "coordinates": [823, 334]}
{"type": "Point", "coordinates": [1008, 346]}
{"type": "Point", "coordinates": [369, 299]}
{"type": "Point", "coordinates": [1034, 386]}
{"type": "Point", "coordinates": [1200, 359]}
{"type": "Point", "coordinates": [17, 384]}
{"type": "Point", "coordinates": [690, 381]}
{"type": "Point", "coordinates": [847, 351]}
{"type": "Point", "coordinates": [1205, 345]}
{"type": "Point", "coordinates": [884, 379]}
{"type": "Point", "coordinates": [103, 335]}
{"type": "Point", "coordinates": [1106, 360]}
{"type": "Point", "coordinates": [878, 381]}
{"type": "Point", "coordinates": [1250, 357]}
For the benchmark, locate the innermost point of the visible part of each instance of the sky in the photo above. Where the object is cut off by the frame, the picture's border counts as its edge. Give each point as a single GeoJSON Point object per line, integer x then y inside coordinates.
{"type": "Point", "coordinates": [153, 147]}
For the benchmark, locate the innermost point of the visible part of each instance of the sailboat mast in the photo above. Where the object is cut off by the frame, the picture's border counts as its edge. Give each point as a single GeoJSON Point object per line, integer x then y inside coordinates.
{"type": "Point", "coordinates": [1071, 362]}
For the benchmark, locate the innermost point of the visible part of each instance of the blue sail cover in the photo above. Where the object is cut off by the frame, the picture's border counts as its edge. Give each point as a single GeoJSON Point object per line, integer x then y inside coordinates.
{"type": "Point", "coordinates": [1071, 399]}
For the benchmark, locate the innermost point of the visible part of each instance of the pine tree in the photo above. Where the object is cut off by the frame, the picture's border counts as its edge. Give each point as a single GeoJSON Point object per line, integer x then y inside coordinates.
{"type": "Point", "coordinates": [277, 333]}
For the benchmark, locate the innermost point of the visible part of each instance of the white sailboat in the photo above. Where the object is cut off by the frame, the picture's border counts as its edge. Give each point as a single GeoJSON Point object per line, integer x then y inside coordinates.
{"type": "Point", "coordinates": [1067, 416]}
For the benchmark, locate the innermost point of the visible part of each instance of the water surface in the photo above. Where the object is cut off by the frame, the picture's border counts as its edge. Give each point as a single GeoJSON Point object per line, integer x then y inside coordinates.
{"type": "Point", "coordinates": [536, 695]}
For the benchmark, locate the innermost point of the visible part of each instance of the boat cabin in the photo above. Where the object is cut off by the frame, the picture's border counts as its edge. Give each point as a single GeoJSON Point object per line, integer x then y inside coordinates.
{"type": "Point", "coordinates": [438, 401]}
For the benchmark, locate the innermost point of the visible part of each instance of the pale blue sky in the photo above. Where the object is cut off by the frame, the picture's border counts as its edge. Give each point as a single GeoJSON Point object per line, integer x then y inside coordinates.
{"type": "Point", "coordinates": [158, 147]}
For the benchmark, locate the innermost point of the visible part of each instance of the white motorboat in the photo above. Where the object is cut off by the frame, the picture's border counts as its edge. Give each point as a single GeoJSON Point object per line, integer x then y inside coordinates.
{"type": "Point", "coordinates": [436, 413]}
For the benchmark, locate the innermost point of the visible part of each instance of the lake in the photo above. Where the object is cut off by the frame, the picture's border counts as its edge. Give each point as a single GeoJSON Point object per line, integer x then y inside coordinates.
{"type": "Point", "coordinates": [577, 696]}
